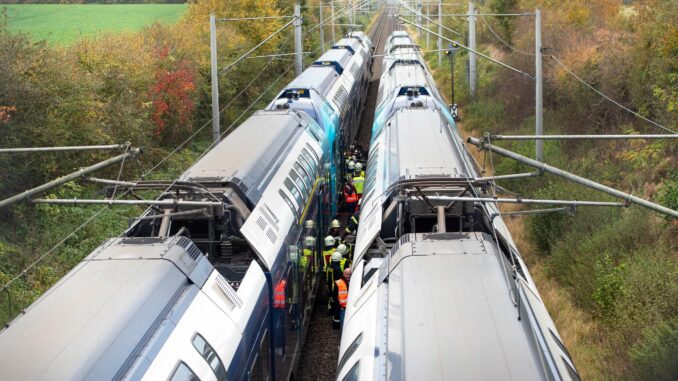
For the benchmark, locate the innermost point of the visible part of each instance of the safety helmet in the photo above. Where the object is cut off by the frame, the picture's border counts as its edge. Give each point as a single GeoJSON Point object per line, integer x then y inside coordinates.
{"type": "Point", "coordinates": [336, 256]}
{"type": "Point", "coordinates": [358, 166]}
{"type": "Point", "coordinates": [329, 241]}
{"type": "Point", "coordinates": [309, 241]}
{"type": "Point", "coordinates": [351, 165]}
{"type": "Point", "coordinates": [353, 158]}
{"type": "Point", "coordinates": [342, 249]}
{"type": "Point", "coordinates": [335, 224]}
{"type": "Point", "coordinates": [309, 224]}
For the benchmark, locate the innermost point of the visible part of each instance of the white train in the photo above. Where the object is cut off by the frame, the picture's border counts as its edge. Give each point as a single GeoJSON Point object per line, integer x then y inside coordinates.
{"type": "Point", "coordinates": [439, 290]}
{"type": "Point", "coordinates": [220, 284]}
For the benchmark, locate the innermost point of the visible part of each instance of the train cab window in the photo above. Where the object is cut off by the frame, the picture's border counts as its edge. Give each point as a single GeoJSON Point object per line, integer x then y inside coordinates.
{"type": "Point", "coordinates": [183, 373]}
{"type": "Point", "coordinates": [288, 201]}
{"type": "Point", "coordinates": [296, 193]}
{"type": "Point", "coordinates": [208, 353]}
{"type": "Point", "coordinates": [411, 91]}
{"type": "Point", "coordinates": [300, 182]}
{"type": "Point", "coordinates": [304, 174]}
{"type": "Point", "coordinates": [295, 94]}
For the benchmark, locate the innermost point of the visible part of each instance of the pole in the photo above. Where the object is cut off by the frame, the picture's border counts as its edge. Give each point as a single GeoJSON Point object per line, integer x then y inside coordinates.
{"type": "Point", "coordinates": [419, 17]}
{"type": "Point", "coordinates": [581, 137]}
{"type": "Point", "coordinates": [172, 202]}
{"type": "Point", "coordinates": [472, 45]}
{"type": "Point", "coordinates": [452, 75]}
{"type": "Point", "coordinates": [572, 177]}
{"type": "Point", "coordinates": [72, 176]}
{"type": "Point", "coordinates": [298, 47]}
{"type": "Point", "coordinates": [440, 33]}
{"type": "Point", "coordinates": [216, 130]}
{"type": "Point", "coordinates": [523, 201]}
{"type": "Point", "coordinates": [322, 27]}
{"type": "Point", "coordinates": [428, 23]}
{"type": "Point", "coordinates": [334, 37]}
{"type": "Point", "coordinates": [67, 148]}
{"type": "Point", "coordinates": [538, 100]}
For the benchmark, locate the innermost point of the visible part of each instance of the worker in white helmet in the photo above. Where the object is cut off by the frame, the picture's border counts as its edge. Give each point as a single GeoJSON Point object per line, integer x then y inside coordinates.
{"type": "Point", "coordinates": [358, 180]}
{"type": "Point", "coordinates": [328, 250]}
{"type": "Point", "coordinates": [334, 272]}
{"type": "Point", "coordinates": [309, 248]}
{"type": "Point", "coordinates": [335, 231]}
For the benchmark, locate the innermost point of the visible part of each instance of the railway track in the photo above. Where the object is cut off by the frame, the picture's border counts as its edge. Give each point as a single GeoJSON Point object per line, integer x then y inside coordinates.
{"type": "Point", "coordinates": [321, 349]}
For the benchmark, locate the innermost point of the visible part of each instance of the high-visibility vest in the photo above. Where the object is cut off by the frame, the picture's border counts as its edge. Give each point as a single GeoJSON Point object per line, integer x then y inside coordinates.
{"type": "Point", "coordinates": [351, 198]}
{"type": "Point", "coordinates": [342, 292]}
{"type": "Point", "coordinates": [327, 254]}
{"type": "Point", "coordinates": [342, 265]}
{"type": "Point", "coordinates": [352, 226]}
{"type": "Point", "coordinates": [303, 261]}
{"type": "Point", "coordinates": [358, 184]}
{"type": "Point", "coordinates": [279, 295]}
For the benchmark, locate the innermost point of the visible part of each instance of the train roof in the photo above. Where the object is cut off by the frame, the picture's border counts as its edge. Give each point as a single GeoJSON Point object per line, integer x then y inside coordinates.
{"type": "Point", "coordinates": [341, 56]}
{"type": "Point", "coordinates": [319, 78]}
{"type": "Point", "coordinates": [248, 158]}
{"type": "Point", "coordinates": [460, 321]}
{"type": "Point", "coordinates": [351, 42]}
{"type": "Point", "coordinates": [124, 286]}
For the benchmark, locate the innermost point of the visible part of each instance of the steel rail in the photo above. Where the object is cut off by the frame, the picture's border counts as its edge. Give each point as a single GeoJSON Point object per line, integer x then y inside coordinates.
{"type": "Point", "coordinates": [572, 177]}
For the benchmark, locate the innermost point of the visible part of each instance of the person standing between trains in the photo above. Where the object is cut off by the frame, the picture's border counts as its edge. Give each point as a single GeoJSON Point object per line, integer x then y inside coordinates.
{"type": "Point", "coordinates": [352, 226]}
{"type": "Point", "coordinates": [328, 250]}
{"type": "Point", "coordinates": [350, 196]}
{"type": "Point", "coordinates": [341, 294]}
{"type": "Point", "coordinates": [335, 231]}
{"type": "Point", "coordinates": [333, 273]}
{"type": "Point", "coordinates": [358, 180]}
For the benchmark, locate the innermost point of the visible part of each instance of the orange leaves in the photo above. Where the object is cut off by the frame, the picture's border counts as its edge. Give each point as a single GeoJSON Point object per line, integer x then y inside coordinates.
{"type": "Point", "coordinates": [6, 113]}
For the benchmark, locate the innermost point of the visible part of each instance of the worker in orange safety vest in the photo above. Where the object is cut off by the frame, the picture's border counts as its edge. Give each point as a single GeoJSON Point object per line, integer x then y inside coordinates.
{"type": "Point", "coordinates": [341, 294]}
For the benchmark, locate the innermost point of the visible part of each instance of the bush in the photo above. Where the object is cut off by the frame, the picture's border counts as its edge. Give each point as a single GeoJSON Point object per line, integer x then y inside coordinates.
{"type": "Point", "coordinates": [655, 355]}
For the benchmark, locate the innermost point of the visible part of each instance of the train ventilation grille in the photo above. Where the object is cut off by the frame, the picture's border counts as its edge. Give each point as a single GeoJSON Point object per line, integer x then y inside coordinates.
{"type": "Point", "coordinates": [228, 291]}
{"type": "Point", "coordinates": [190, 247]}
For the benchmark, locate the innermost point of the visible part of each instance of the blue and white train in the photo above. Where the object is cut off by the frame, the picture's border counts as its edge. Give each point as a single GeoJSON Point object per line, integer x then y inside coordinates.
{"type": "Point", "coordinates": [217, 280]}
{"type": "Point", "coordinates": [439, 290]}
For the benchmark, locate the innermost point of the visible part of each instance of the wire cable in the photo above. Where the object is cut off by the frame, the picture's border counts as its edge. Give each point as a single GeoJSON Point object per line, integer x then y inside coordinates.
{"type": "Point", "coordinates": [569, 71]}
{"type": "Point", "coordinates": [502, 40]}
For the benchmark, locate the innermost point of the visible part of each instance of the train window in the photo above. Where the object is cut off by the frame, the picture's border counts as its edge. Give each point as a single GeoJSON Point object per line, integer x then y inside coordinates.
{"type": "Point", "coordinates": [350, 351]}
{"type": "Point", "coordinates": [296, 193]}
{"type": "Point", "coordinates": [288, 201]}
{"type": "Point", "coordinates": [352, 374]}
{"type": "Point", "coordinates": [208, 353]}
{"type": "Point", "coordinates": [307, 165]}
{"type": "Point", "coordinates": [302, 171]}
{"type": "Point", "coordinates": [183, 373]}
{"type": "Point", "coordinates": [309, 157]}
{"type": "Point", "coordinates": [315, 155]}
{"type": "Point", "coordinates": [300, 182]}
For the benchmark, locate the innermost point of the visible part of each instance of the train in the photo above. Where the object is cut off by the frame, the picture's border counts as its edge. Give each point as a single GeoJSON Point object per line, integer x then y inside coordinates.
{"type": "Point", "coordinates": [216, 281]}
{"type": "Point", "coordinates": [439, 290]}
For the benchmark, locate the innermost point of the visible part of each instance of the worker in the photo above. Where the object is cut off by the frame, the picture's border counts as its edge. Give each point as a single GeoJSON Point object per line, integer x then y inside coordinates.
{"type": "Point", "coordinates": [279, 318]}
{"type": "Point", "coordinates": [352, 226]}
{"type": "Point", "coordinates": [309, 247]}
{"type": "Point", "coordinates": [328, 250]}
{"type": "Point", "coordinates": [335, 231]}
{"type": "Point", "coordinates": [358, 180]}
{"type": "Point", "coordinates": [333, 273]}
{"type": "Point", "coordinates": [340, 294]}
{"type": "Point", "coordinates": [350, 196]}
{"type": "Point", "coordinates": [351, 167]}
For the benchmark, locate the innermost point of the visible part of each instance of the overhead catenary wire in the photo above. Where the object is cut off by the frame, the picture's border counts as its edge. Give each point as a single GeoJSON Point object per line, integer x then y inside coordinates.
{"type": "Point", "coordinates": [569, 71]}
{"type": "Point", "coordinates": [503, 41]}
{"type": "Point", "coordinates": [65, 148]}
{"type": "Point", "coordinates": [265, 40]}
{"type": "Point", "coordinates": [429, 19]}
{"type": "Point", "coordinates": [467, 48]}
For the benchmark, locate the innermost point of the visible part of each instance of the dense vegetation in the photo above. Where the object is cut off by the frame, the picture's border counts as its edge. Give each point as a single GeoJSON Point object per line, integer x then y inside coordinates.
{"type": "Point", "coordinates": [609, 277]}
{"type": "Point", "coordinates": [150, 88]}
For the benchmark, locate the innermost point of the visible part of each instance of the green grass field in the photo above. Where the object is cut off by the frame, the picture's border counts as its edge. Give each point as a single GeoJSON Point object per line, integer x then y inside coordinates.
{"type": "Point", "coordinates": [64, 23]}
